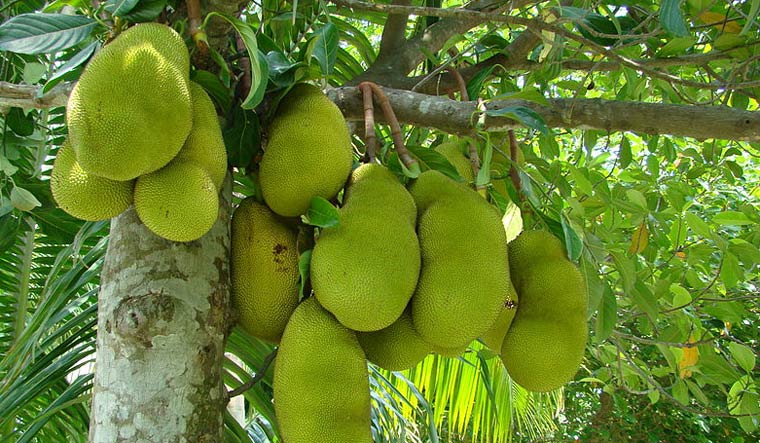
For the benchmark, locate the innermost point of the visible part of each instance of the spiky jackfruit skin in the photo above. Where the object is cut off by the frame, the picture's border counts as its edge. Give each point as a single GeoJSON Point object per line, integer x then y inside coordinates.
{"type": "Point", "coordinates": [365, 269]}
{"type": "Point", "coordinates": [544, 347]}
{"type": "Point", "coordinates": [308, 154]}
{"type": "Point", "coordinates": [494, 337]}
{"type": "Point", "coordinates": [86, 196]}
{"type": "Point", "coordinates": [397, 347]}
{"type": "Point", "coordinates": [454, 153]}
{"type": "Point", "coordinates": [464, 279]}
{"type": "Point", "coordinates": [321, 384]}
{"type": "Point", "coordinates": [178, 202]}
{"type": "Point", "coordinates": [204, 145]}
{"type": "Point", "coordinates": [264, 270]}
{"type": "Point", "coordinates": [130, 112]}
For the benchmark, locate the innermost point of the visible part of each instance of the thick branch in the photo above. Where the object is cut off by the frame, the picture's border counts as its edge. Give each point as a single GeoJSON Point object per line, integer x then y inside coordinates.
{"type": "Point", "coordinates": [607, 115]}
{"type": "Point", "coordinates": [30, 96]}
{"type": "Point", "coordinates": [394, 34]}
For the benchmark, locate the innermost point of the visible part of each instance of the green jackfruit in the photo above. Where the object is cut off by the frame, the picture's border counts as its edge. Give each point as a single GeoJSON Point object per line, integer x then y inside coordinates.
{"type": "Point", "coordinates": [454, 153]}
{"type": "Point", "coordinates": [178, 202]}
{"type": "Point", "coordinates": [544, 347]}
{"type": "Point", "coordinates": [464, 280]}
{"type": "Point", "coordinates": [397, 347]}
{"type": "Point", "coordinates": [204, 145]}
{"type": "Point", "coordinates": [84, 195]}
{"type": "Point", "coordinates": [130, 112]}
{"type": "Point", "coordinates": [365, 269]}
{"type": "Point", "coordinates": [308, 154]}
{"type": "Point", "coordinates": [264, 268]}
{"type": "Point", "coordinates": [321, 384]}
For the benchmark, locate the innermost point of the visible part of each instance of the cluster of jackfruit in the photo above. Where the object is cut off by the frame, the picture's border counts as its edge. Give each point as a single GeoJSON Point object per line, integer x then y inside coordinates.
{"type": "Point", "coordinates": [406, 272]}
{"type": "Point", "coordinates": [141, 132]}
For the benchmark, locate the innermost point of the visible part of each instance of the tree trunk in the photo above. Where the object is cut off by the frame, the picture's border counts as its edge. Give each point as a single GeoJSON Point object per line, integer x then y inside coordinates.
{"type": "Point", "coordinates": [162, 322]}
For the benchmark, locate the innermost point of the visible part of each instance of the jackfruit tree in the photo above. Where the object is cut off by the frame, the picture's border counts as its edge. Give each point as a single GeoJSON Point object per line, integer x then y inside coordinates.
{"type": "Point", "coordinates": [352, 221]}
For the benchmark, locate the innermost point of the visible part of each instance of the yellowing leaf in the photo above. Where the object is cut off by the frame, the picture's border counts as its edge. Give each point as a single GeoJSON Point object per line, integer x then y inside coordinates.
{"type": "Point", "coordinates": [719, 22]}
{"type": "Point", "coordinates": [689, 358]}
{"type": "Point", "coordinates": [640, 239]}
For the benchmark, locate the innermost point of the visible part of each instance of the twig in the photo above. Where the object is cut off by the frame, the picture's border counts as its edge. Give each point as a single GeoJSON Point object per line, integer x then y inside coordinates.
{"type": "Point", "coordinates": [256, 378]}
{"type": "Point", "coordinates": [194, 19]}
{"type": "Point", "coordinates": [647, 341]}
{"type": "Point", "coordinates": [369, 122]}
{"type": "Point", "coordinates": [513, 174]}
{"type": "Point", "coordinates": [390, 117]}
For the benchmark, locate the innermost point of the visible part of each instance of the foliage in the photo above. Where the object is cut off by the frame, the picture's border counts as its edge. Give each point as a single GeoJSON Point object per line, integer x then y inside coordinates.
{"type": "Point", "coordinates": [666, 229]}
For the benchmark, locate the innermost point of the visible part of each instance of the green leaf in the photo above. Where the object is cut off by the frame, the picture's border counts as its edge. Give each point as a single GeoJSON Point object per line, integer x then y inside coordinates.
{"type": "Point", "coordinates": [743, 355]}
{"type": "Point", "coordinates": [321, 213]}
{"type": "Point", "coordinates": [6, 167]}
{"type": "Point", "coordinates": [33, 72]}
{"type": "Point", "coordinates": [751, 17]}
{"type": "Point", "coordinates": [40, 33]}
{"type": "Point", "coordinates": [637, 198]}
{"type": "Point", "coordinates": [573, 242]}
{"type": "Point", "coordinates": [677, 46]}
{"type": "Point", "coordinates": [145, 11]}
{"type": "Point", "coordinates": [323, 47]}
{"type": "Point", "coordinates": [20, 122]}
{"type": "Point", "coordinates": [732, 218]}
{"type": "Point", "coordinates": [731, 271]}
{"type": "Point", "coordinates": [512, 221]}
{"type": "Point", "coordinates": [625, 155]}
{"type": "Point", "coordinates": [698, 225]}
{"type": "Point", "coordinates": [475, 85]}
{"type": "Point", "coordinates": [242, 137]}
{"type": "Point", "coordinates": [645, 300]}
{"type": "Point", "coordinates": [433, 159]}
{"type": "Point", "coordinates": [120, 7]}
{"type": "Point", "coordinates": [304, 267]}
{"type": "Point", "coordinates": [527, 94]}
{"type": "Point", "coordinates": [606, 317]}
{"type": "Point", "coordinates": [484, 174]}
{"type": "Point", "coordinates": [258, 81]}
{"type": "Point", "coordinates": [74, 62]}
{"type": "Point", "coordinates": [681, 295]}
{"type": "Point", "coordinates": [23, 199]}
{"type": "Point", "coordinates": [672, 19]}
{"type": "Point", "coordinates": [681, 392]}
{"type": "Point", "coordinates": [522, 114]}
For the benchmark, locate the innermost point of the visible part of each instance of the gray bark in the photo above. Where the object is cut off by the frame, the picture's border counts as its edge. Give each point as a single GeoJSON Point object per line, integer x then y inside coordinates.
{"type": "Point", "coordinates": [162, 322]}
{"type": "Point", "coordinates": [451, 116]}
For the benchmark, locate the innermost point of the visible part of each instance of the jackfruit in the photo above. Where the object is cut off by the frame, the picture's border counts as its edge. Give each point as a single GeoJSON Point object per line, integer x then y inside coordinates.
{"type": "Point", "coordinates": [84, 195]}
{"type": "Point", "coordinates": [464, 280]}
{"type": "Point", "coordinates": [308, 154]}
{"type": "Point", "coordinates": [365, 269]}
{"type": "Point", "coordinates": [494, 337]}
{"type": "Point", "coordinates": [264, 270]}
{"type": "Point", "coordinates": [130, 112]}
{"type": "Point", "coordinates": [321, 383]}
{"type": "Point", "coordinates": [204, 145]}
{"type": "Point", "coordinates": [178, 202]}
{"type": "Point", "coordinates": [397, 347]}
{"type": "Point", "coordinates": [544, 347]}
{"type": "Point", "coordinates": [454, 153]}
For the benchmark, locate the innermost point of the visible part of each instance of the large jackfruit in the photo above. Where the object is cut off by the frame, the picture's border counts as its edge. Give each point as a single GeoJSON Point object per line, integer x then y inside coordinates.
{"type": "Point", "coordinates": [365, 269]}
{"type": "Point", "coordinates": [464, 280]}
{"type": "Point", "coordinates": [308, 154]}
{"type": "Point", "coordinates": [321, 384]}
{"type": "Point", "coordinates": [397, 347]}
{"type": "Point", "coordinates": [178, 202]}
{"type": "Point", "coordinates": [543, 348]}
{"type": "Point", "coordinates": [204, 145]}
{"type": "Point", "coordinates": [454, 153]}
{"type": "Point", "coordinates": [130, 112]}
{"type": "Point", "coordinates": [264, 269]}
{"type": "Point", "coordinates": [84, 195]}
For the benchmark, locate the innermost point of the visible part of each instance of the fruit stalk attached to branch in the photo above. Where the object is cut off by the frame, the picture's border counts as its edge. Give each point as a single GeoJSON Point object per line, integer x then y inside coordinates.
{"type": "Point", "coordinates": [473, 148]}
{"type": "Point", "coordinates": [369, 121]}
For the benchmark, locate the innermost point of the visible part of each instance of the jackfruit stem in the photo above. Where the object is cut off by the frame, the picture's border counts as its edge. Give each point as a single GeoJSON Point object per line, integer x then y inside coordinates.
{"type": "Point", "coordinates": [369, 122]}
{"type": "Point", "coordinates": [472, 147]}
{"type": "Point", "coordinates": [513, 161]}
{"type": "Point", "coordinates": [256, 378]}
{"type": "Point", "coordinates": [390, 116]}
{"type": "Point", "coordinates": [194, 19]}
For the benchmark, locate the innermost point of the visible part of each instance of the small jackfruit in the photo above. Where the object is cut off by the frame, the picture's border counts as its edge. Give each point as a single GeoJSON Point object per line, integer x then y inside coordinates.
{"type": "Point", "coordinates": [321, 384]}
{"type": "Point", "coordinates": [464, 280]}
{"type": "Point", "coordinates": [308, 154]}
{"type": "Point", "coordinates": [544, 347]}
{"type": "Point", "coordinates": [397, 347]}
{"type": "Point", "coordinates": [264, 270]}
{"type": "Point", "coordinates": [84, 195]}
{"type": "Point", "coordinates": [365, 269]}
{"type": "Point", "coordinates": [454, 153]}
{"type": "Point", "coordinates": [178, 202]}
{"type": "Point", "coordinates": [130, 112]}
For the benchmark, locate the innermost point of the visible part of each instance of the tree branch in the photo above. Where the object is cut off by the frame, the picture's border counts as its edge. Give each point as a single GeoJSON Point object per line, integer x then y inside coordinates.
{"type": "Point", "coordinates": [256, 378]}
{"type": "Point", "coordinates": [31, 96]}
{"type": "Point", "coordinates": [394, 34]}
{"type": "Point", "coordinates": [608, 115]}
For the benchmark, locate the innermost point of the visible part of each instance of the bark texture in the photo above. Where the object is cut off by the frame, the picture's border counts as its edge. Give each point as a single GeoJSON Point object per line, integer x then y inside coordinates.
{"type": "Point", "coordinates": [451, 116]}
{"type": "Point", "coordinates": [162, 321]}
